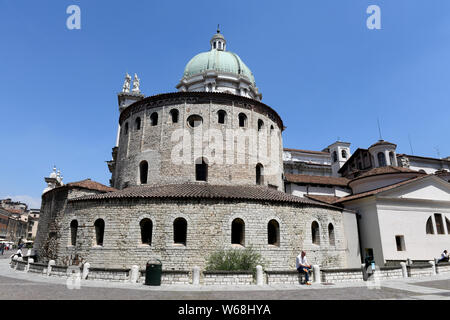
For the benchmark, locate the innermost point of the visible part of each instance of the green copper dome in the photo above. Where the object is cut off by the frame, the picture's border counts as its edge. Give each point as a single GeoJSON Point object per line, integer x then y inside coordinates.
{"type": "Point", "coordinates": [218, 60]}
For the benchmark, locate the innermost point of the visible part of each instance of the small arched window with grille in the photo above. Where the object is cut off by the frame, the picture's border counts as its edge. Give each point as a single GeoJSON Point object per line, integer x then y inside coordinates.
{"type": "Point", "coordinates": [143, 172]}
{"type": "Point", "coordinates": [260, 124]}
{"type": "Point", "coordinates": [137, 124]}
{"type": "Point", "coordinates": [221, 116]}
{"type": "Point", "coordinates": [238, 232]}
{"type": "Point", "coordinates": [331, 236]}
{"type": "Point", "coordinates": [180, 231]}
{"type": "Point", "coordinates": [154, 119]}
{"type": "Point", "coordinates": [242, 120]}
{"type": "Point", "coordinates": [273, 233]}
{"type": "Point", "coordinates": [315, 233]}
{"type": "Point", "coordinates": [73, 232]}
{"type": "Point", "coordinates": [146, 231]}
{"type": "Point", "coordinates": [99, 231]}
{"type": "Point", "coordinates": [201, 169]}
{"type": "Point", "coordinates": [174, 115]}
{"type": "Point", "coordinates": [259, 174]}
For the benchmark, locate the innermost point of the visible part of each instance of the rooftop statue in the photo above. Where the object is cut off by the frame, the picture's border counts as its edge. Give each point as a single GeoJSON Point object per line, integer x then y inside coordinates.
{"type": "Point", "coordinates": [126, 84]}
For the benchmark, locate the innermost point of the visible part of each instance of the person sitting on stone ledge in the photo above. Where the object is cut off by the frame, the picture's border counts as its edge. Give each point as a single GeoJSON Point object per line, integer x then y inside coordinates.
{"type": "Point", "coordinates": [444, 257]}
{"type": "Point", "coordinates": [303, 266]}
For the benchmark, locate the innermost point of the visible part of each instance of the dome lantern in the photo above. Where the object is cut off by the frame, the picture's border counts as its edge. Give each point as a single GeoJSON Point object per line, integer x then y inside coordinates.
{"type": "Point", "coordinates": [218, 41]}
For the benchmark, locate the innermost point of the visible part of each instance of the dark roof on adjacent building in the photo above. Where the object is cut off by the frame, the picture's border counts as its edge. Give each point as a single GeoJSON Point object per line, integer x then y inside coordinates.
{"type": "Point", "coordinates": [323, 198]}
{"type": "Point", "coordinates": [382, 142]}
{"type": "Point", "coordinates": [204, 191]}
{"type": "Point", "coordinates": [307, 151]}
{"type": "Point", "coordinates": [320, 180]}
{"type": "Point", "coordinates": [386, 170]}
{"type": "Point", "coordinates": [91, 185]}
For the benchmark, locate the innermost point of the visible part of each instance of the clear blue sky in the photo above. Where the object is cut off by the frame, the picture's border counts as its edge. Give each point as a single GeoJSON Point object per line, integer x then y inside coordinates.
{"type": "Point", "coordinates": [315, 62]}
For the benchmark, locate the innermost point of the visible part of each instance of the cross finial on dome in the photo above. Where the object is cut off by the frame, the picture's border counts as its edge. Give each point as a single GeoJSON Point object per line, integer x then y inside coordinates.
{"type": "Point", "coordinates": [218, 28]}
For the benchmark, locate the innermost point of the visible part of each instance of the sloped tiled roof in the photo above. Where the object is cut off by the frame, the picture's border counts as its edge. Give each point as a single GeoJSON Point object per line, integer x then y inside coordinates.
{"type": "Point", "coordinates": [322, 180]}
{"type": "Point", "coordinates": [307, 151]}
{"type": "Point", "coordinates": [91, 185]}
{"type": "Point", "coordinates": [382, 142]}
{"type": "Point", "coordinates": [322, 198]}
{"type": "Point", "coordinates": [376, 191]}
{"type": "Point", "coordinates": [387, 170]}
{"type": "Point", "coordinates": [203, 191]}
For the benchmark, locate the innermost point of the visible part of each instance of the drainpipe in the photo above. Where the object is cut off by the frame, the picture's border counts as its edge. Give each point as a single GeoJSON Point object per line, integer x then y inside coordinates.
{"type": "Point", "coordinates": [358, 217]}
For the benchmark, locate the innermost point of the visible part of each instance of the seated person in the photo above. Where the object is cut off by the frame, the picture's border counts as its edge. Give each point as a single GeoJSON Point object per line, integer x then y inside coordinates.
{"type": "Point", "coordinates": [444, 257]}
{"type": "Point", "coordinates": [303, 266]}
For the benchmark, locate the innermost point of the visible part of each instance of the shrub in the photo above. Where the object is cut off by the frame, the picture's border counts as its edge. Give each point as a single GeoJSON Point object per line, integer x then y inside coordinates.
{"type": "Point", "coordinates": [234, 260]}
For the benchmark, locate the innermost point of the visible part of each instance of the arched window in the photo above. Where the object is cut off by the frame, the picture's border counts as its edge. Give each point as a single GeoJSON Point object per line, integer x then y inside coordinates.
{"type": "Point", "coordinates": [174, 115]}
{"type": "Point", "coordinates": [259, 174]}
{"type": "Point", "coordinates": [271, 129]}
{"type": "Point", "coordinates": [344, 154]}
{"type": "Point", "coordinates": [242, 120]}
{"type": "Point", "coordinates": [447, 222]}
{"type": "Point", "coordinates": [126, 127]}
{"type": "Point", "coordinates": [154, 119]}
{"type": "Point", "coordinates": [392, 158]}
{"type": "Point", "coordinates": [146, 231]}
{"type": "Point", "coordinates": [331, 234]}
{"type": "Point", "coordinates": [179, 231]}
{"type": "Point", "coordinates": [194, 120]}
{"type": "Point", "coordinates": [221, 116]}
{"type": "Point", "coordinates": [260, 124]}
{"type": "Point", "coordinates": [315, 233]}
{"type": "Point", "coordinates": [439, 223]}
{"type": "Point", "coordinates": [238, 232]}
{"type": "Point", "coordinates": [137, 123]}
{"type": "Point", "coordinates": [429, 228]}
{"type": "Point", "coordinates": [334, 156]}
{"type": "Point", "coordinates": [381, 159]}
{"type": "Point", "coordinates": [143, 172]}
{"type": "Point", "coordinates": [201, 169]}
{"type": "Point", "coordinates": [73, 232]}
{"type": "Point", "coordinates": [273, 233]}
{"type": "Point", "coordinates": [99, 231]}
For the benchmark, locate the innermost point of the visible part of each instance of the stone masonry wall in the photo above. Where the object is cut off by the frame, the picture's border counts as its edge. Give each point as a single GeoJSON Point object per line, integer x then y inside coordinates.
{"type": "Point", "coordinates": [208, 229]}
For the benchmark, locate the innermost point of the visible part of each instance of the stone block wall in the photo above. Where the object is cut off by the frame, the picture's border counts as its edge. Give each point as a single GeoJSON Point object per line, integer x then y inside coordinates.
{"type": "Point", "coordinates": [417, 271]}
{"type": "Point", "coordinates": [109, 274]}
{"type": "Point", "coordinates": [227, 278]}
{"type": "Point", "coordinates": [386, 273]}
{"type": "Point", "coordinates": [283, 277]}
{"type": "Point", "coordinates": [341, 275]}
{"type": "Point", "coordinates": [442, 268]}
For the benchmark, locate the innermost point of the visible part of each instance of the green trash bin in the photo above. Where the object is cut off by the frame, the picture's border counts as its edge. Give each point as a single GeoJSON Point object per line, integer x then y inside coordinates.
{"type": "Point", "coordinates": [153, 273]}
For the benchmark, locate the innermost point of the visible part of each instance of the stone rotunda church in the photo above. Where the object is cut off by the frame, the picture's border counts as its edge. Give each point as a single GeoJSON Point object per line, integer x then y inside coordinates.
{"type": "Point", "coordinates": [193, 172]}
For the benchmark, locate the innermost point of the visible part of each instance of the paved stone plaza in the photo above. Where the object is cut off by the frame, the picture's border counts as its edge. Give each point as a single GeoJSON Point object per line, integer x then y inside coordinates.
{"type": "Point", "coordinates": [22, 285]}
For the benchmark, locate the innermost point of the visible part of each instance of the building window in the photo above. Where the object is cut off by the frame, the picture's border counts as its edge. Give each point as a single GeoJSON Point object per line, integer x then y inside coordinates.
{"type": "Point", "coordinates": [238, 232]}
{"type": "Point", "coordinates": [154, 119]}
{"type": "Point", "coordinates": [260, 124]}
{"type": "Point", "coordinates": [73, 232]}
{"type": "Point", "coordinates": [146, 231]}
{"type": "Point", "coordinates": [174, 115]}
{"type": "Point", "coordinates": [400, 241]}
{"type": "Point", "coordinates": [430, 229]}
{"type": "Point", "coordinates": [381, 159]}
{"type": "Point", "coordinates": [137, 124]}
{"type": "Point", "coordinates": [180, 231]}
{"type": "Point", "coordinates": [447, 222]}
{"type": "Point", "coordinates": [242, 120]}
{"type": "Point", "coordinates": [392, 158]}
{"type": "Point", "coordinates": [315, 233]}
{"type": "Point", "coordinates": [271, 129]}
{"type": "Point", "coordinates": [201, 170]}
{"type": "Point", "coordinates": [439, 223]}
{"type": "Point", "coordinates": [194, 120]}
{"type": "Point", "coordinates": [344, 154]}
{"type": "Point", "coordinates": [331, 234]}
{"type": "Point", "coordinates": [335, 157]}
{"type": "Point", "coordinates": [221, 116]}
{"type": "Point", "coordinates": [99, 231]}
{"type": "Point", "coordinates": [259, 174]}
{"type": "Point", "coordinates": [126, 127]}
{"type": "Point", "coordinates": [143, 171]}
{"type": "Point", "coordinates": [273, 233]}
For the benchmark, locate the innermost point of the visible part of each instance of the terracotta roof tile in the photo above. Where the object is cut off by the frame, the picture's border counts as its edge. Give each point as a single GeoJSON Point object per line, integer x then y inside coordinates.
{"type": "Point", "coordinates": [387, 170]}
{"type": "Point", "coordinates": [322, 180]}
{"type": "Point", "coordinates": [203, 191]}
{"type": "Point", "coordinates": [91, 185]}
{"type": "Point", "coordinates": [322, 198]}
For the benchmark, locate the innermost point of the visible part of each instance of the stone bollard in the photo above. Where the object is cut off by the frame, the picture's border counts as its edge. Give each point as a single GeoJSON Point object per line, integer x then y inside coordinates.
{"type": "Point", "coordinates": [316, 270]}
{"type": "Point", "coordinates": [85, 273]}
{"type": "Point", "coordinates": [364, 271]}
{"type": "Point", "coordinates": [49, 267]}
{"type": "Point", "coordinates": [433, 267]}
{"type": "Point", "coordinates": [134, 274]}
{"type": "Point", "coordinates": [30, 260]}
{"type": "Point", "coordinates": [404, 270]}
{"type": "Point", "coordinates": [196, 276]}
{"type": "Point", "coordinates": [259, 275]}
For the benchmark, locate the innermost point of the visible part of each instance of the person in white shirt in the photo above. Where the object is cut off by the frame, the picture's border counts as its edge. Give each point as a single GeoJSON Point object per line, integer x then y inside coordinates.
{"type": "Point", "coordinates": [444, 257]}
{"type": "Point", "coordinates": [302, 265]}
